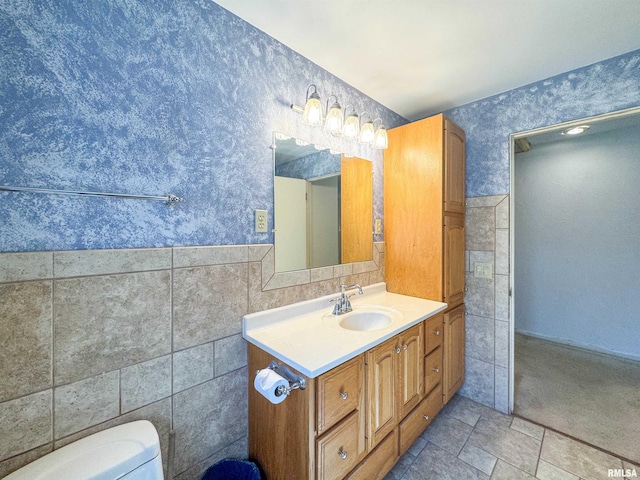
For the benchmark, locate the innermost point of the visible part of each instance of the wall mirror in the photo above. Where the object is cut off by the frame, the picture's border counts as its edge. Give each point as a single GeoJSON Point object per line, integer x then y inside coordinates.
{"type": "Point", "coordinates": [323, 206]}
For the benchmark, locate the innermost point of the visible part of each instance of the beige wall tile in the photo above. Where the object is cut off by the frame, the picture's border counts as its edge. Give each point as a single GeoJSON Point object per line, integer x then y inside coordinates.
{"type": "Point", "coordinates": [488, 201]}
{"type": "Point", "coordinates": [257, 252]}
{"type": "Point", "coordinates": [230, 354]}
{"type": "Point", "coordinates": [480, 225]}
{"type": "Point", "coordinates": [18, 267]}
{"type": "Point", "coordinates": [25, 338]}
{"type": "Point", "coordinates": [479, 298]}
{"type": "Point", "coordinates": [268, 267]}
{"type": "Point", "coordinates": [343, 270]}
{"type": "Point", "coordinates": [209, 303]}
{"type": "Point", "coordinates": [479, 338]}
{"type": "Point", "coordinates": [25, 423]}
{"type": "Point", "coordinates": [502, 252]}
{"type": "Point", "coordinates": [77, 263]}
{"type": "Point", "coordinates": [208, 417]}
{"type": "Point", "coordinates": [145, 383]}
{"type": "Point", "coordinates": [502, 297]}
{"type": "Point", "coordinates": [502, 213]}
{"type": "Point", "coordinates": [319, 274]}
{"type": "Point", "coordinates": [238, 449]}
{"type": "Point", "coordinates": [192, 367]}
{"type": "Point", "coordinates": [211, 255]}
{"type": "Point", "coordinates": [83, 404]}
{"type": "Point", "coordinates": [288, 279]}
{"type": "Point", "coordinates": [362, 267]}
{"type": "Point", "coordinates": [501, 396]}
{"type": "Point", "coordinates": [479, 381]}
{"type": "Point", "coordinates": [106, 323]}
{"type": "Point", "coordinates": [502, 344]}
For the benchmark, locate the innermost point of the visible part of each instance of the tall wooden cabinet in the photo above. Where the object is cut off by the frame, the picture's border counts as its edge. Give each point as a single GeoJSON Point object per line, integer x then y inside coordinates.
{"type": "Point", "coordinates": [424, 205]}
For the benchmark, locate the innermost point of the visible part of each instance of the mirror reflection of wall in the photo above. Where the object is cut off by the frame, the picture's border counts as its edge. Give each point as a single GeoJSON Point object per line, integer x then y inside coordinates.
{"type": "Point", "coordinates": [310, 206]}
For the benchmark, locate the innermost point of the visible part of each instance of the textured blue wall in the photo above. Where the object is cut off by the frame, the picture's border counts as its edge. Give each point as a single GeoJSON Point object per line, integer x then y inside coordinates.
{"type": "Point", "coordinates": [148, 97]}
{"type": "Point", "coordinates": [603, 87]}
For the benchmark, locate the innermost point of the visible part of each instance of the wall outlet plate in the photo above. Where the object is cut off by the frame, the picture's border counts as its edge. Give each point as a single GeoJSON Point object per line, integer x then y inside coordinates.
{"type": "Point", "coordinates": [378, 226]}
{"type": "Point", "coordinates": [483, 270]}
{"type": "Point", "coordinates": [262, 220]}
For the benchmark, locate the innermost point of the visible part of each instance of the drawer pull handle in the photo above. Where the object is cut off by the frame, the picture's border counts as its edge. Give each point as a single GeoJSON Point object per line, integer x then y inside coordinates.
{"type": "Point", "coordinates": [344, 395]}
{"type": "Point", "coordinates": [426, 417]}
{"type": "Point", "coordinates": [398, 350]}
{"type": "Point", "coordinates": [343, 454]}
{"type": "Point", "coordinates": [437, 370]}
{"type": "Point", "coordinates": [437, 332]}
{"type": "Point", "coordinates": [404, 347]}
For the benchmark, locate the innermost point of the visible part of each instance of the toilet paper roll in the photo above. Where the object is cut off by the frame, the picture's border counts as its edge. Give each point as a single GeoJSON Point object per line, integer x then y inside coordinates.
{"type": "Point", "coordinates": [267, 382]}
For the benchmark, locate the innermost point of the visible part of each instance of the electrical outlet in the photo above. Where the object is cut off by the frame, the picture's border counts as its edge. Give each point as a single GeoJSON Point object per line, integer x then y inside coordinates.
{"type": "Point", "coordinates": [483, 270]}
{"type": "Point", "coordinates": [378, 226]}
{"type": "Point", "coordinates": [262, 219]}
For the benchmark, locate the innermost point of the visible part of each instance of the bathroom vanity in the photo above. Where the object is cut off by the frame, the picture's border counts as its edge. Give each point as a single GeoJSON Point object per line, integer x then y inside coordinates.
{"type": "Point", "coordinates": [373, 381]}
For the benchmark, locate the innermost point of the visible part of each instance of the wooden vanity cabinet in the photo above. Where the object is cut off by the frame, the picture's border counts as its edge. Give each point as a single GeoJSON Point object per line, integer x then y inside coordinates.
{"type": "Point", "coordinates": [453, 362]}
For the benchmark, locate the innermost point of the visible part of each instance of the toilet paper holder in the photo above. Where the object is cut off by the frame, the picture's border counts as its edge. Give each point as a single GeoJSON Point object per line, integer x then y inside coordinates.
{"type": "Point", "coordinates": [295, 381]}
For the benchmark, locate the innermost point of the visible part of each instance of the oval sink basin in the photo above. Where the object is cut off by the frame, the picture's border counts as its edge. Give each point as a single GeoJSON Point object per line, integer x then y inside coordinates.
{"type": "Point", "coordinates": [365, 321]}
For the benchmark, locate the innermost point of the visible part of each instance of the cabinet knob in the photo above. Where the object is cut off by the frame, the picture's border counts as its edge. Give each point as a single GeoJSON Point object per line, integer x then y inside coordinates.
{"type": "Point", "coordinates": [343, 454]}
{"type": "Point", "coordinates": [426, 417]}
{"type": "Point", "coordinates": [437, 370]}
{"type": "Point", "coordinates": [344, 395]}
{"type": "Point", "coordinates": [404, 347]}
{"type": "Point", "coordinates": [398, 350]}
{"type": "Point", "coordinates": [437, 332]}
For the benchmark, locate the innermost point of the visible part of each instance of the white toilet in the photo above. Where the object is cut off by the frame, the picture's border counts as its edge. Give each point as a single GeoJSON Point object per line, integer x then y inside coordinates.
{"type": "Point", "coordinates": [130, 451]}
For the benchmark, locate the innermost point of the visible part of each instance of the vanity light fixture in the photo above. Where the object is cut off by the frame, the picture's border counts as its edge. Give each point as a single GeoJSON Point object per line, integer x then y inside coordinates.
{"type": "Point", "coordinates": [351, 124]}
{"type": "Point", "coordinates": [312, 114]}
{"type": "Point", "coordinates": [380, 139]}
{"type": "Point", "coordinates": [577, 130]}
{"type": "Point", "coordinates": [334, 121]}
{"type": "Point", "coordinates": [366, 132]}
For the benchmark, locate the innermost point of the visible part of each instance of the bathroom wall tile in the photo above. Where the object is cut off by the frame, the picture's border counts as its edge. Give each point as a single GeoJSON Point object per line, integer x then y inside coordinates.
{"type": "Point", "coordinates": [322, 273]}
{"type": "Point", "coordinates": [25, 338]}
{"type": "Point", "coordinates": [238, 449]}
{"type": "Point", "coordinates": [502, 344]}
{"type": "Point", "coordinates": [158, 413]}
{"type": "Point", "coordinates": [145, 383]}
{"type": "Point", "coordinates": [479, 338]}
{"type": "Point", "coordinates": [77, 263]}
{"type": "Point", "coordinates": [192, 366]}
{"type": "Point", "coordinates": [502, 213]}
{"type": "Point", "coordinates": [18, 267]}
{"type": "Point", "coordinates": [485, 201]}
{"type": "Point", "coordinates": [288, 279]}
{"type": "Point", "coordinates": [268, 267]}
{"type": "Point", "coordinates": [208, 417]}
{"type": "Point", "coordinates": [82, 404]}
{"type": "Point", "coordinates": [230, 354]}
{"type": "Point", "coordinates": [257, 252]}
{"type": "Point", "coordinates": [124, 320]}
{"type": "Point", "coordinates": [485, 412]}
{"type": "Point", "coordinates": [467, 261]}
{"type": "Point", "coordinates": [377, 276]}
{"type": "Point", "coordinates": [502, 252]}
{"type": "Point", "coordinates": [19, 461]}
{"type": "Point", "coordinates": [479, 298]}
{"type": "Point", "coordinates": [361, 267]}
{"type": "Point", "coordinates": [209, 303]}
{"type": "Point", "coordinates": [502, 297]}
{"type": "Point", "coordinates": [209, 255]}
{"type": "Point", "coordinates": [343, 270]}
{"type": "Point", "coordinates": [25, 423]}
{"type": "Point", "coordinates": [478, 382]}
{"type": "Point", "coordinates": [480, 228]}
{"type": "Point", "coordinates": [481, 256]}
{"type": "Point", "coordinates": [501, 400]}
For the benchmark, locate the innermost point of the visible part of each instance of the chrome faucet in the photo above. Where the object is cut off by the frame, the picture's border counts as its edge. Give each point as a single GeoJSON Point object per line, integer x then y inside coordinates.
{"type": "Point", "coordinates": [342, 303]}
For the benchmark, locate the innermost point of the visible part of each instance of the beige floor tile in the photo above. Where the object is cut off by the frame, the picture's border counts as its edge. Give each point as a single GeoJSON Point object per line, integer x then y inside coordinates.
{"type": "Point", "coordinates": [546, 471]}
{"type": "Point", "coordinates": [483, 461]}
{"type": "Point", "coordinates": [435, 463]}
{"type": "Point", "coordinates": [504, 471]}
{"type": "Point", "coordinates": [528, 428]}
{"type": "Point", "coordinates": [447, 433]}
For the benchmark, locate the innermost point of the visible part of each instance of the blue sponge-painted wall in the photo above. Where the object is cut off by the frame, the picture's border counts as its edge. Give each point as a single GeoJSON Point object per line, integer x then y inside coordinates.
{"type": "Point", "coordinates": [148, 97]}
{"type": "Point", "coordinates": [603, 87]}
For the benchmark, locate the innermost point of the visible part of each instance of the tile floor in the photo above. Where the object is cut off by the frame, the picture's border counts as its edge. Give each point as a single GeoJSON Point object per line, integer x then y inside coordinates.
{"type": "Point", "coordinates": [468, 441]}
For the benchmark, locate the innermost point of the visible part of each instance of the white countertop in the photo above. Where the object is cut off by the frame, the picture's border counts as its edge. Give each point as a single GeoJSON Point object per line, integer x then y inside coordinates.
{"type": "Point", "coordinates": [303, 336]}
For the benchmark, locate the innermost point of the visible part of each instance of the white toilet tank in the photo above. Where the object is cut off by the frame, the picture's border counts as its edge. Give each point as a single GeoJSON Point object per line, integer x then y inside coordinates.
{"type": "Point", "coordinates": [128, 452]}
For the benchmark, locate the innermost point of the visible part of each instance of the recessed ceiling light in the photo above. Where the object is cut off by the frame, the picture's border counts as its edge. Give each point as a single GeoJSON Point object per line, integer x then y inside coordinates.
{"type": "Point", "coordinates": [575, 130]}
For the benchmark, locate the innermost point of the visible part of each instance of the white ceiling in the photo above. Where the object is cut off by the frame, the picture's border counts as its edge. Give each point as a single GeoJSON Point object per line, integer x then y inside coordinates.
{"type": "Point", "coordinates": [420, 57]}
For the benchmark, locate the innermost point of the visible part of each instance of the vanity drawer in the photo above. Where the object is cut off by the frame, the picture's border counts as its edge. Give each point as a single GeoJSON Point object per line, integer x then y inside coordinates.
{"type": "Point", "coordinates": [339, 450]}
{"type": "Point", "coordinates": [433, 328]}
{"type": "Point", "coordinates": [415, 423]}
{"type": "Point", "coordinates": [380, 461]}
{"type": "Point", "coordinates": [339, 392]}
{"type": "Point", "coordinates": [433, 369]}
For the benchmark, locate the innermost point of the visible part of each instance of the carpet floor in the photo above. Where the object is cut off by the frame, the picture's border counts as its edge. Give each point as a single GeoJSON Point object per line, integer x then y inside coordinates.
{"type": "Point", "coordinates": [589, 396]}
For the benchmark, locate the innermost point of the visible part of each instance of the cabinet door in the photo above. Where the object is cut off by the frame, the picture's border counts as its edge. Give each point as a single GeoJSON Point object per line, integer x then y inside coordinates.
{"type": "Point", "coordinates": [453, 364]}
{"type": "Point", "coordinates": [381, 363]}
{"type": "Point", "coordinates": [454, 168]}
{"type": "Point", "coordinates": [411, 369]}
{"type": "Point", "coordinates": [454, 260]}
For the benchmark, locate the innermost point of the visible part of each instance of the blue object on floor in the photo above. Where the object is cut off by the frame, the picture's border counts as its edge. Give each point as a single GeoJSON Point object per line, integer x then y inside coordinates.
{"type": "Point", "coordinates": [231, 469]}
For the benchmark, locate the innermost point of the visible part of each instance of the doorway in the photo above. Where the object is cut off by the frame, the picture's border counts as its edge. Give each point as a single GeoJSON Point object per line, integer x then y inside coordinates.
{"type": "Point", "coordinates": [575, 212]}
